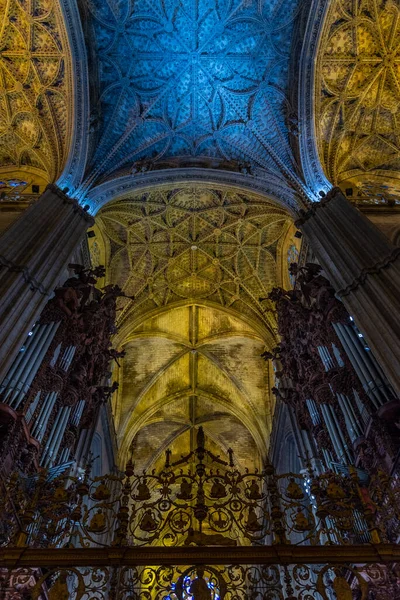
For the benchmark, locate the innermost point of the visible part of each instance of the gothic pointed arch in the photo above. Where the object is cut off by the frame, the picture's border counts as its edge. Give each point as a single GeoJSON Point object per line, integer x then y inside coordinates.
{"type": "Point", "coordinates": [314, 175]}
{"type": "Point", "coordinates": [74, 168]}
{"type": "Point", "coordinates": [197, 260]}
{"type": "Point", "coordinates": [273, 187]}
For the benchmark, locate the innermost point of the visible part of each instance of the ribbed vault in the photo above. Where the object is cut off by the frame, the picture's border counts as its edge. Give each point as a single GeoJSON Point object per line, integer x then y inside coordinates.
{"type": "Point", "coordinates": [170, 244]}
{"type": "Point", "coordinates": [197, 260]}
{"type": "Point", "coordinates": [192, 83]}
{"type": "Point", "coordinates": [358, 94]}
{"type": "Point", "coordinates": [35, 93]}
{"type": "Point", "coordinates": [189, 366]}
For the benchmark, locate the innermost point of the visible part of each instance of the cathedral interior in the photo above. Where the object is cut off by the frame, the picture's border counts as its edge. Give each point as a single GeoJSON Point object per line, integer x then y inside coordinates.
{"type": "Point", "coordinates": [199, 299]}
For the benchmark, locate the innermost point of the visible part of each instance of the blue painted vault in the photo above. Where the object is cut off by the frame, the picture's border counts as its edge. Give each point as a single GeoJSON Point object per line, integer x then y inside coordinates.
{"type": "Point", "coordinates": [192, 83]}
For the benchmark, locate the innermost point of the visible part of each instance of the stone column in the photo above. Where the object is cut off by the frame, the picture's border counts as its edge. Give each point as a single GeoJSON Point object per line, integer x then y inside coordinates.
{"type": "Point", "coordinates": [33, 253]}
{"type": "Point", "coordinates": [363, 266]}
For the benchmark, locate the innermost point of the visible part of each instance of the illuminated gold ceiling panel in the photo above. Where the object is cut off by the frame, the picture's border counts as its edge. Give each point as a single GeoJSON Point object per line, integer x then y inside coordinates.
{"type": "Point", "coordinates": [358, 92]}
{"type": "Point", "coordinates": [174, 245]}
{"type": "Point", "coordinates": [35, 88]}
{"type": "Point", "coordinates": [177, 374]}
{"type": "Point", "coordinates": [197, 260]}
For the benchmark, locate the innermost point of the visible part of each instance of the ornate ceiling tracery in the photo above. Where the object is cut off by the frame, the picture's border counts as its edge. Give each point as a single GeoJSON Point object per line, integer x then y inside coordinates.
{"type": "Point", "coordinates": [358, 92]}
{"type": "Point", "coordinates": [168, 246]}
{"type": "Point", "coordinates": [189, 82]}
{"type": "Point", "coordinates": [197, 260]}
{"type": "Point", "coordinates": [35, 88]}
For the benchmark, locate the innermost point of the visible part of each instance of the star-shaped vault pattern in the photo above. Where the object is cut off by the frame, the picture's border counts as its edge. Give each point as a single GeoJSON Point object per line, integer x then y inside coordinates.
{"type": "Point", "coordinates": [168, 246]}
{"type": "Point", "coordinates": [192, 81]}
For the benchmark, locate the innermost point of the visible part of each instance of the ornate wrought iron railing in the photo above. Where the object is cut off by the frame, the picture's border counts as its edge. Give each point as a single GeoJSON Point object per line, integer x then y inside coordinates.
{"type": "Point", "coordinates": [200, 524]}
{"type": "Point", "coordinates": [200, 500]}
{"type": "Point", "coordinates": [272, 575]}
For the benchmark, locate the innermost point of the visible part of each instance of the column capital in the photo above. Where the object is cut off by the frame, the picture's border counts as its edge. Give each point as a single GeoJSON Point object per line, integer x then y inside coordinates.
{"type": "Point", "coordinates": [52, 187]}
{"type": "Point", "coordinates": [305, 215]}
{"type": "Point", "coordinates": [374, 269]}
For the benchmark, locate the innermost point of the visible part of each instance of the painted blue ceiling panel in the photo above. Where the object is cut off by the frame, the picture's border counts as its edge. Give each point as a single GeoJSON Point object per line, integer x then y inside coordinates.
{"type": "Point", "coordinates": [193, 80]}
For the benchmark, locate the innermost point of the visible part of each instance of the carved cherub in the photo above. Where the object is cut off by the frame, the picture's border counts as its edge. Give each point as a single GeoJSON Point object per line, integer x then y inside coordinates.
{"type": "Point", "coordinates": [115, 354]}
{"type": "Point", "coordinates": [67, 299]}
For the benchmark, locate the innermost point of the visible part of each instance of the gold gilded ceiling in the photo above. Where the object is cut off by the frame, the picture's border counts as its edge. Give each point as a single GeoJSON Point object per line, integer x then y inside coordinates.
{"type": "Point", "coordinates": [197, 260]}
{"type": "Point", "coordinates": [35, 89]}
{"type": "Point", "coordinates": [174, 245]}
{"type": "Point", "coordinates": [358, 92]}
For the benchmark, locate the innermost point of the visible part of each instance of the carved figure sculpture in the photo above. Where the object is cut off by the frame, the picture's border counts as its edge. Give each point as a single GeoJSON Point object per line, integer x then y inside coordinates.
{"type": "Point", "coordinates": [186, 490]}
{"type": "Point", "coordinates": [294, 490]}
{"type": "Point", "coordinates": [218, 490]}
{"type": "Point", "coordinates": [143, 492]}
{"type": "Point", "coordinates": [342, 589]}
{"type": "Point", "coordinates": [97, 522]}
{"type": "Point", "coordinates": [301, 523]}
{"type": "Point", "coordinates": [199, 588]}
{"type": "Point", "coordinates": [148, 522]}
{"type": "Point", "coordinates": [253, 491]}
{"type": "Point", "coordinates": [253, 523]}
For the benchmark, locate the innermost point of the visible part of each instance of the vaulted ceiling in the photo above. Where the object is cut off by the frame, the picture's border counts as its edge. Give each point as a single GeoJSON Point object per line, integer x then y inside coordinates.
{"type": "Point", "coordinates": [192, 83]}
{"type": "Point", "coordinates": [358, 94]}
{"type": "Point", "coordinates": [197, 261]}
{"type": "Point", "coordinates": [199, 83]}
{"type": "Point", "coordinates": [211, 85]}
{"type": "Point", "coordinates": [35, 92]}
{"type": "Point", "coordinates": [189, 366]}
{"type": "Point", "coordinates": [168, 245]}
